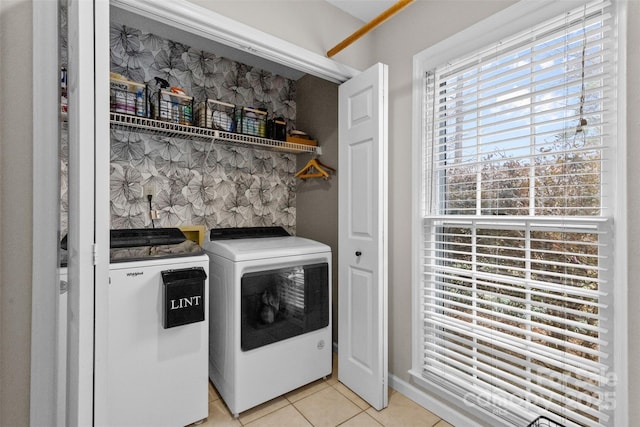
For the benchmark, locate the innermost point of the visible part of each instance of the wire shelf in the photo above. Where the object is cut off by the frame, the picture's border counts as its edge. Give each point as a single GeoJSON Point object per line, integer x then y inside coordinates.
{"type": "Point", "coordinates": [177, 130]}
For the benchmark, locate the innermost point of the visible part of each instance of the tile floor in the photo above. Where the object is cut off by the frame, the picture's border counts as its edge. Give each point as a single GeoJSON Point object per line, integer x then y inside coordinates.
{"type": "Point", "coordinates": [325, 403]}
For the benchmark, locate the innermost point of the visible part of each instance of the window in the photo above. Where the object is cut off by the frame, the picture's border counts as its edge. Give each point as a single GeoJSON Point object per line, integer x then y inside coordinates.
{"type": "Point", "coordinates": [514, 295]}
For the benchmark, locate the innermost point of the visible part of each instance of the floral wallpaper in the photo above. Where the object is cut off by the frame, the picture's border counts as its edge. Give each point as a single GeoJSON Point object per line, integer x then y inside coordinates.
{"type": "Point", "coordinates": [197, 182]}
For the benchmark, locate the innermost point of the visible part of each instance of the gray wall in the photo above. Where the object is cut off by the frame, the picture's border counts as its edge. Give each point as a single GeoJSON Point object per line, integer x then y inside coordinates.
{"type": "Point", "coordinates": [317, 28]}
{"type": "Point", "coordinates": [317, 199]}
{"type": "Point", "coordinates": [15, 210]}
{"type": "Point", "coordinates": [633, 206]}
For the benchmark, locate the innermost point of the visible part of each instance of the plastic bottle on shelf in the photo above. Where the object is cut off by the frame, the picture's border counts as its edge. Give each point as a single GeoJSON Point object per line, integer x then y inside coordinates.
{"type": "Point", "coordinates": [140, 105]}
{"type": "Point", "coordinates": [175, 113]}
{"type": "Point", "coordinates": [187, 114]}
{"type": "Point", "coordinates": [239, 124]}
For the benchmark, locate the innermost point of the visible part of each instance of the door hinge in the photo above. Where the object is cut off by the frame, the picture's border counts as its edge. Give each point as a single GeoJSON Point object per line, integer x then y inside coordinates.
{"type": "Point", "coordinates": [94, 249]}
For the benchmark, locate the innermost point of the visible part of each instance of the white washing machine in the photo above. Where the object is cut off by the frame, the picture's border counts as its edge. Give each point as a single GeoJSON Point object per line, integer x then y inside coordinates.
{"type": "Point", "coordinates": [157, 330]}
{"type": "Point", "coordinates": [270, 313]}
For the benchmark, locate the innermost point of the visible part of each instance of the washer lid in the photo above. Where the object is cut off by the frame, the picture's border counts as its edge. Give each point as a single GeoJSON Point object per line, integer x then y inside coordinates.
{"type": "Point", "coordinates": [264, 248]}
{"type": "Point", "coordinates": [246, 233]}
{"type": "Point", "coordinates": [131, 238]}
{"type": "Point", "coordinates": [150, 243]}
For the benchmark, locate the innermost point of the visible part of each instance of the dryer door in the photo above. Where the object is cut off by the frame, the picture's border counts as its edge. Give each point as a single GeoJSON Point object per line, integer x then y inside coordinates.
{"type": "Point", "coordinates": [283, 303]}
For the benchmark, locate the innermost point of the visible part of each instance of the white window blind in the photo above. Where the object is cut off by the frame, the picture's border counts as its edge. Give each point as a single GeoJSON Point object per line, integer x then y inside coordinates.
{"type": "Point", "coordinates": [517, 246]}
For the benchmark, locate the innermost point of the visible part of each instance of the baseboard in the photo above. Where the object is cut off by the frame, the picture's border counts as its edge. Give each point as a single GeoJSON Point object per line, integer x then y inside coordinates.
{"type": "Point", "coordinates": [450, 414]}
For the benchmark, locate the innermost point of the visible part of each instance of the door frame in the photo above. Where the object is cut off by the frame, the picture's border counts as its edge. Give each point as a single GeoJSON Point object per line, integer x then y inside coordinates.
{"type": "Point", "coordinates": [93, 177]}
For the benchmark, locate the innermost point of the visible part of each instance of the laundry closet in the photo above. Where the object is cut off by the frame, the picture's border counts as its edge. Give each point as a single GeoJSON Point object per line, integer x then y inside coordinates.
{"type": "Point", "coordinates": [171, 171]}
{"type": "Point", "coordinates": [219, 183]}
{"type": "Point", "coordinates": [202, 140]}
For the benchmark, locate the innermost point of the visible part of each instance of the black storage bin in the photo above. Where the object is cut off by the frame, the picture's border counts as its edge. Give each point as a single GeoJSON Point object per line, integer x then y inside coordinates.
{"type": "Point", "coordinates": [252, 122]}
{"type": "Point", "coordinates": [173, 107]}
{"type": "Point", "coordinates": [183, 296]}
{"type": "Point", "coordinates": [212, 114]}
{"type": "Point", "coordinates": [277, 129]}
{"type": "Point", "coordinates": [128, 97]}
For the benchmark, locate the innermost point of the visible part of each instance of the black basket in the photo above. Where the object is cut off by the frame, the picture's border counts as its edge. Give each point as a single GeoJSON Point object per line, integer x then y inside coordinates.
{"type": "Point", "coordinates": [173, 107]}
{"type": "Point", "coordinates": [128, 97]}
{"type": "Point", "coordinates": [253, 122]}
{"type": "Point", "coordinates": [212, 114]}
{"type": "Point", "coordinates": [277, 129]}
{"type": "Point", "coordinates": [544, 422]}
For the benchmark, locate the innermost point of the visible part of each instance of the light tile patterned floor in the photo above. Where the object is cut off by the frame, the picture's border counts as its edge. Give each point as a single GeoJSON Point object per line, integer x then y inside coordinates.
{"type": "Point", "coordinates": [323, 403]}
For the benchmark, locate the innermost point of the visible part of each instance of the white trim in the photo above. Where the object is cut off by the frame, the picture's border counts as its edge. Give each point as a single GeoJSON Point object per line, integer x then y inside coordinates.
{"type": "Point", "coordinates": [417, 133]}
{"type": "Point", "coordinates": [203, 22]}
{"type": "Point", "coordinates": [102, 209]}
{"type": "Point", "coordinates": [46, 203]}
{"type": "Point", "coordinates": [507, 22]}
{"type": "Point", "coordinates": [620, 293]}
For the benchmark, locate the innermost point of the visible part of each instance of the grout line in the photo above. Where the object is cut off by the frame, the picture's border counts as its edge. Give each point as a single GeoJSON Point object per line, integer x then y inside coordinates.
{"type": "Point", "coordinates": [362, 411]}
{"type": "Point", "coordinates": [348, 397]}
{"type": "Point", "coordinates": [298, 411]}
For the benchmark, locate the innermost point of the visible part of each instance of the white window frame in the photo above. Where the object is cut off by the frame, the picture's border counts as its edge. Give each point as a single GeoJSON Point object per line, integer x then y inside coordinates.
{"type": "Point", "coordinates": [522, 15]}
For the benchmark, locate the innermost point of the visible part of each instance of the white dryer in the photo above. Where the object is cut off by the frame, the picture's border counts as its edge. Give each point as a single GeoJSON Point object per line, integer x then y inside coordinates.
{"type": "Point", "coordinates": [270, 313]}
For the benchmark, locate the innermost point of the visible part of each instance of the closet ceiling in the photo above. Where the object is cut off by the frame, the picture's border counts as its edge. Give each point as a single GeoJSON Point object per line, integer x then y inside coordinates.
{"type": "Point", "coordinates": [139, 22]}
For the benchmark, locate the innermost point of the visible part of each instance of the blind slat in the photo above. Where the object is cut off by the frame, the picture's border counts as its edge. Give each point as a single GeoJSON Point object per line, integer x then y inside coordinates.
{"type": "Point", "coordinates": [504, 370]}
{"type": "Point", "coordinates": [447, 308]}
{"type": "Point", "coordinates": [524, 348]}
{"type": "Point", "coordinates": [559, 408]}
{"type": "Point", "coordinates": [526, 313]}
{"type": "Point", "coordinates": [444, 337]}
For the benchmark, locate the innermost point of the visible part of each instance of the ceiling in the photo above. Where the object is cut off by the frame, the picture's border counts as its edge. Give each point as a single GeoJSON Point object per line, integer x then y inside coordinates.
{"type": "Point", "coordinates": [364, 10]}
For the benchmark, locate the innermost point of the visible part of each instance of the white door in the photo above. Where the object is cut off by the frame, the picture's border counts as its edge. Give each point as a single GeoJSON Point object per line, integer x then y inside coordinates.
{"type": "Point", "coordinates": [362, 231]}
{"type": "Point", "coordinates": [65, 397]}
{"type": "Point", "coordinates": [88, 254]}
